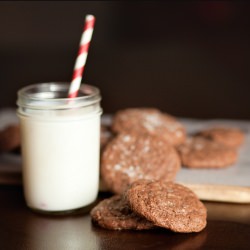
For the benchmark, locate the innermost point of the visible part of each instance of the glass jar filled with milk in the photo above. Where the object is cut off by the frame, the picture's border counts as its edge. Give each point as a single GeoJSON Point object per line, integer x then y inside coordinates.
{"type": "Point", "coordinates": [60, 144]}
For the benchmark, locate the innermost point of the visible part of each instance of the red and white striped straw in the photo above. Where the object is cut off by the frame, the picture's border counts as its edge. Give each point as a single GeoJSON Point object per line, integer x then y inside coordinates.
{"type": "Point", "coordinates": [82, 56]}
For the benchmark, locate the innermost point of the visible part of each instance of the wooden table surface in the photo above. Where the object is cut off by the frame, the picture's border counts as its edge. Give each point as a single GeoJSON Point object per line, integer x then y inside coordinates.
{"type": "Point", "coordinates": [20, 228]}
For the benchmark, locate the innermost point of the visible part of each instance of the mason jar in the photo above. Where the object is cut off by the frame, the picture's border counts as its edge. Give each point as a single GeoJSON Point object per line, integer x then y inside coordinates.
{"type": "Point", "coordinates": [60, 146]}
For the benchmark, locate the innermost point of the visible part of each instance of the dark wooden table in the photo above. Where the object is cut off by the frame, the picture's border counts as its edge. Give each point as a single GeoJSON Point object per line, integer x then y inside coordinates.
{"type": "Point", "coordinates": [228, 228]}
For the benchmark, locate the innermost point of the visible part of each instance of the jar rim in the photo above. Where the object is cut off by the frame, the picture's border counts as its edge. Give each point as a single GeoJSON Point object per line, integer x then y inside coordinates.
{"type": "Point", "coordinates": [47, 96]}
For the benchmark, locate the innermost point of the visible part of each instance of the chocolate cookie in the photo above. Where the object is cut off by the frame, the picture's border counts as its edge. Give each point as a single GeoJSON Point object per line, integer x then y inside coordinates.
{"type": "Point", "coordinates": [231, 137]}
{"type": "Point", "coordinates": [149, 121]}
{"type": "Point", "coordinates": [167, 205]}
{"type": "Point", "coordinates": [10, 138]}
{"type": "Point", "coordinates": [129, 157]}
{"type": "Point", "coordinates": [114, 213]}
{"type": "Point", "coordinates": [199, 152]}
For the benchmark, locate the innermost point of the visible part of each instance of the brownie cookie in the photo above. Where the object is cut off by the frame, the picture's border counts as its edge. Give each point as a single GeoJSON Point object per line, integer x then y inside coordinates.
{"type": "Point", "coordinates": [10, 138]}
{"type": "Point", "coordinates": [167, 205]}
{"type": "Point", "coordinates": [114, 213]}
{"type": "Point", "coordinates": [150, 121]}
{"type": "Point", "coordinates": [129, 157]}
{"type": "Point", "coordinates": [231, 137]}
{"type": "Point", "coordinates": [199, 152]}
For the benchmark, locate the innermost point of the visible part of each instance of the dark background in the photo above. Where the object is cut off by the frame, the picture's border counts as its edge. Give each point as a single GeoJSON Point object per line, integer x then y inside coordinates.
{"type": "Point", "coordinates": [189, 59]}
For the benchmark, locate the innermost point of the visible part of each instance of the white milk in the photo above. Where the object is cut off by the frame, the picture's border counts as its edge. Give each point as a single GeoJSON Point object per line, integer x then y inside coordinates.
{"type": "Point", "coordinates": [60, 154]}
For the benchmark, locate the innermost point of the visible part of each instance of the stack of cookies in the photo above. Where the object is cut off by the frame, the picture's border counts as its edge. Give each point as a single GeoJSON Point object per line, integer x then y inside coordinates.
{"type": "Point", "coordinates": [148, 204]}
{"type": "Point", "coordinates": [140, 158]}
{"type": "Point", "coordinates": [145, 143]}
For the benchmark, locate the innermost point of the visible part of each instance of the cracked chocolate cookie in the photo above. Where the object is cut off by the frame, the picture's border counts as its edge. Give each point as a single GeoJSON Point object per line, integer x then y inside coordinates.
{"type": "Point", "coordinates": [150, 121]}
{"type": "Point", "coordinates": [114, 213]}
{"type": "Point", "coordinates": [167, 205]}
{"type": "Point", "coordinates": [10, 138]}
{"type": "Point", "coordinates": [199, 152]}
{"type": "Point", "coordinates": [129, 157]}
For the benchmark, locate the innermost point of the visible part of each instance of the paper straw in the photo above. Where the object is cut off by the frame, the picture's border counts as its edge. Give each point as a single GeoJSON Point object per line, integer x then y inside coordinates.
{"type": "Point", "coordinates": [82, 56]}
